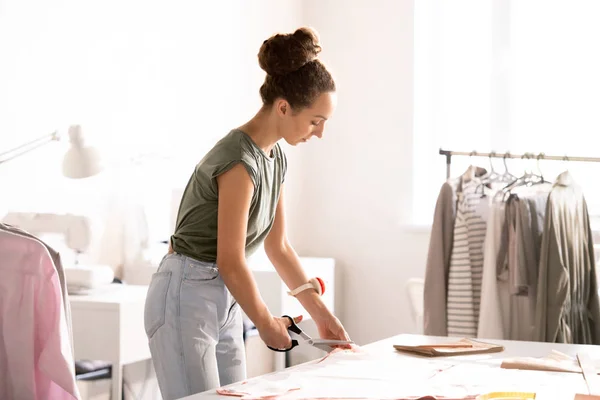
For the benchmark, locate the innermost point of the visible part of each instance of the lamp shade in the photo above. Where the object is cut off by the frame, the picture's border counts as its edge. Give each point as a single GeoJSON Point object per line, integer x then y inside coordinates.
{"type": "Point", "coordinates": [80, 161]}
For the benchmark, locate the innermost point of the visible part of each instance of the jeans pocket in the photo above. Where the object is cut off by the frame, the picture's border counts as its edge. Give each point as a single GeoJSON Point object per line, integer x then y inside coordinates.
{"type": "Point", "coordinates": [196, 271]}
{"type": "Point", "coordinates": [156, 302]}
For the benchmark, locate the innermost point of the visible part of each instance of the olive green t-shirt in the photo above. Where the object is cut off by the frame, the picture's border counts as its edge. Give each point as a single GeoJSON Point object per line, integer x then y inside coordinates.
{"type": "Point", "coordinates": [196, 227]}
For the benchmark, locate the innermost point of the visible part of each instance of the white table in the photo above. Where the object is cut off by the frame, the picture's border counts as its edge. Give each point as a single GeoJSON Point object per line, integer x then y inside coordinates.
{"type": "Point", "coordinates": [385, 349]}
{"type": "Point", "coordinates": [109, 326]}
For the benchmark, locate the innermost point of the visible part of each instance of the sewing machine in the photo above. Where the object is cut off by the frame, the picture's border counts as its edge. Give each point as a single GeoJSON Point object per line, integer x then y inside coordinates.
{"type": "Point", "coordinates": [76, 232]}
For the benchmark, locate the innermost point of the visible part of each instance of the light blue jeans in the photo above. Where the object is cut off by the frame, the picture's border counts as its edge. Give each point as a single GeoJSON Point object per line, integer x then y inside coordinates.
{"type": "Point", "coordinates": [194, 327]}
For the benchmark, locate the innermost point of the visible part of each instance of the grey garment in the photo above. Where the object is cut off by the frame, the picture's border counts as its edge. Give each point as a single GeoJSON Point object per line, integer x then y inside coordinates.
{"type": "Point", "coordinates": [516, 312]}
{"type": "Point", "coordinates": [466, 263]}
{"type": "Point", "coordinates": [197, 219]}
{"type": "Point", "coordinates": [491, 321]}
{"type": "Point", "coordinates": [518, 254]}
{"type": "Point", "coordinates": [506, 261]}
{"type": "Point", "coordinates": [55, 256]}
{"type": "Point", "coordinates": [568, 308]}
{"type": "Point", "coordinates": [520, 304]}
{"type": "Point", "coordinates": [529, 229]}
{"type": "Point", "coordinates": [517, 275]}
{"type": "Point", "coordinates": [517, 264]}
{"type": "Point", "coordinates": [438, 263]}
{"type": "Point", "coordinates": [537, 209]}
{"type": "Point", "coordinates": [520, 318]}
{"type": "Point", "coordinates": [438, 257]}
{"type": "Point", "coordinates": [194, 327]}
{"type": "Point", "coordinates": [524, 254]}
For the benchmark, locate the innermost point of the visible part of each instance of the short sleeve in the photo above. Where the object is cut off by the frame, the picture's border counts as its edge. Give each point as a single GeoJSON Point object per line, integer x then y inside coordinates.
{"type": "Point", "coordinates": [246, 161]}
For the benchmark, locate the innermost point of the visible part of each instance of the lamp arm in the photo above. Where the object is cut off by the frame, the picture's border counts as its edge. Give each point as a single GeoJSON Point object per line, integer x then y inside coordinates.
{"type": "Point", "coordinates": [27, 147]}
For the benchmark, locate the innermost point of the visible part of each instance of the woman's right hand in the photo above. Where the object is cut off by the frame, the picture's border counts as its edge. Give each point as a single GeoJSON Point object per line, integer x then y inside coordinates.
{"type": "Point", "coordinates": [275, 333]}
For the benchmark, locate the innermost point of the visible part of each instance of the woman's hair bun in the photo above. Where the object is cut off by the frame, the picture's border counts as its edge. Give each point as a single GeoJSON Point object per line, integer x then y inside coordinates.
{"type": "Point", "coordinates": [285, 53]}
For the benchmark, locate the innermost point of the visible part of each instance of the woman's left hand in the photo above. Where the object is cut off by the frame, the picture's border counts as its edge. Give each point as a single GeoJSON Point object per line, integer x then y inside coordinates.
{"type": "Point", "coordinates": [330, 327]}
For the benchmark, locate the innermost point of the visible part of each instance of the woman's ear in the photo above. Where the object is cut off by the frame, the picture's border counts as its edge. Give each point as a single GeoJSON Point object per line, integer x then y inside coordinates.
{"type": "Point", "coordinates": [283, 108]}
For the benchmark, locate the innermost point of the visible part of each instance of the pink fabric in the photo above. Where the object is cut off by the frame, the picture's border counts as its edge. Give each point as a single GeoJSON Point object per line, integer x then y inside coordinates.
{"type": "Point", "coordinates": [36, 359]}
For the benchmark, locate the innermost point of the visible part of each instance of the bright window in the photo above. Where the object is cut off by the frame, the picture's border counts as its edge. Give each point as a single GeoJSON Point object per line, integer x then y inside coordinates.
{"type": "Point", "coordinates": [496, 75]}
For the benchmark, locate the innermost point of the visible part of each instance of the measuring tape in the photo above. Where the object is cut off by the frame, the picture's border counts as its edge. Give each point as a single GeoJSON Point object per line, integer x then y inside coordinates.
{"type": "Point", "coordinates": [506, 396]}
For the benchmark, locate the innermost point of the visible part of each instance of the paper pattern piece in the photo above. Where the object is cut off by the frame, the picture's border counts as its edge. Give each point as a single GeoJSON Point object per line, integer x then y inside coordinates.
{"type": "Point", "coordinates": [461, 347]}
{"type": "Point", "coordinates": [556, 361]}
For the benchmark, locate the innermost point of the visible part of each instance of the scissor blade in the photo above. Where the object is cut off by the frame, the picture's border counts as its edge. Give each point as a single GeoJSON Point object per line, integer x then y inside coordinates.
{"type": "Point", "coordinates": [331, 342]}
{"type": "Point", "coordinates": [328, 344]}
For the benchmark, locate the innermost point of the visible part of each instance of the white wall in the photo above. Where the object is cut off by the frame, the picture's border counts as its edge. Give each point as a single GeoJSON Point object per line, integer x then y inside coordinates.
{"type": "Point", "coordinates": [164, 77]}
{"type": "Point", "coordinates": [174, 76]}
{"type": "Point", "coordinates": [356, 193]}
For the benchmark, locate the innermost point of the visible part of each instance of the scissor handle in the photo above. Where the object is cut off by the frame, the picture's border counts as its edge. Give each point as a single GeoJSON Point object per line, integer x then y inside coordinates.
{"type": "Point", "coordinates": [294, 344]}
{"type": "Point", "coordinates": [292, 328]}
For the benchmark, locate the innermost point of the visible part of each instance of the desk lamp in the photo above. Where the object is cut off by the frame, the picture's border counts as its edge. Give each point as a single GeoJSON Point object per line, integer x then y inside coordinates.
{"type": "Point", "coordinates": [80, 161]}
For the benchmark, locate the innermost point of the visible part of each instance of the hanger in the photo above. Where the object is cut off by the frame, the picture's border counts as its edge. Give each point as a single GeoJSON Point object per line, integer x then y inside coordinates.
{"type": "Point", "coordinates": [529, 178]}
{"type": "Point", "coordinates": [516, 182]}
{"type": "Point", "coordinates": [540, 176]}
{"type": "Point", "coordinates": [490, 177]}
{"type": "Point", "coordinates": [507, 176]}
{"type": "Point", "coordinates": [535, 178]}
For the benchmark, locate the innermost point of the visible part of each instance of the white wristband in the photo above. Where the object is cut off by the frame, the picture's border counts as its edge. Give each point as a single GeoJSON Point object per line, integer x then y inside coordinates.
{"type": "Point", "coordinates": [315, 283]}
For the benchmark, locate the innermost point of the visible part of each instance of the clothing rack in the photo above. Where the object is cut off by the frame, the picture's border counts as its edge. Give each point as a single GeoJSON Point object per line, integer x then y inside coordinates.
{"type": "Point", "coordinates": [540, 156]}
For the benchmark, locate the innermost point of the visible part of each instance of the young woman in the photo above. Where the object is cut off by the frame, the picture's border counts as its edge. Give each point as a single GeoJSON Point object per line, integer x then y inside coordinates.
{"type": "Point", "coordinates": [232, 204]}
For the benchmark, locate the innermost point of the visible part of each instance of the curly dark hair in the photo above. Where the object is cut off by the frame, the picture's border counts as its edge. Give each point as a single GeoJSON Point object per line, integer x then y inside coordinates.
{"type": "Point", "coordinates": [294, 72]}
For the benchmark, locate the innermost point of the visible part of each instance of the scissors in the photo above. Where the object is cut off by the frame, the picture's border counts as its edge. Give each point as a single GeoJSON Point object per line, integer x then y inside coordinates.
{"type": "Point", "coordinates": [323, 344]}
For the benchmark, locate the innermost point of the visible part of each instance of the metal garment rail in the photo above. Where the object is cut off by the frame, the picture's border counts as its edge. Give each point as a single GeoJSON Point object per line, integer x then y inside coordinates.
{"type": "Point", "coordinates": [539, 156]}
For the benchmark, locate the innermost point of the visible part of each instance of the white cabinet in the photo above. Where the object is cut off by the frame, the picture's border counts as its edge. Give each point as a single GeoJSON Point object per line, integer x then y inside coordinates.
{"type": "Point", "coordinates": [109, 326]}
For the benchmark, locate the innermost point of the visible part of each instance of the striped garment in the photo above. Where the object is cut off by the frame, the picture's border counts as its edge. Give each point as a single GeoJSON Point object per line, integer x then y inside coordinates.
{"type": "Point", "coordinates": [466, 263]}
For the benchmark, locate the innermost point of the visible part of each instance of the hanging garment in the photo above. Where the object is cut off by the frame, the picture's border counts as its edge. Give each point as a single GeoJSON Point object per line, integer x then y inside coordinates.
{"type": "Point", "coordinates": [510, 266]}
{"type": "Point", "coordinates": [512, 280]}
{"type": "Point", "coordinates": [36, 356]}
{"type": "Point", "coordinates": [508, 256]}
{"type": "Point", "coordinates": [466, 263]}
{"type": "Point", "coordinates": [531, 217]}
{"type": "Point", "coordinates": [438, 256]}
{"type": "Point", "coordinates": [527, 212]}
{"type": "Point", "coordinates": [59, 270]}
{"type": "Point", "coordinates": [491, 321]}
{"type": "Point", "coordinates": [568, 308]}
{"type": "Point", "coordinates": [438, 262]}
{"type": "Point", "coordinates": [525, 258]}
